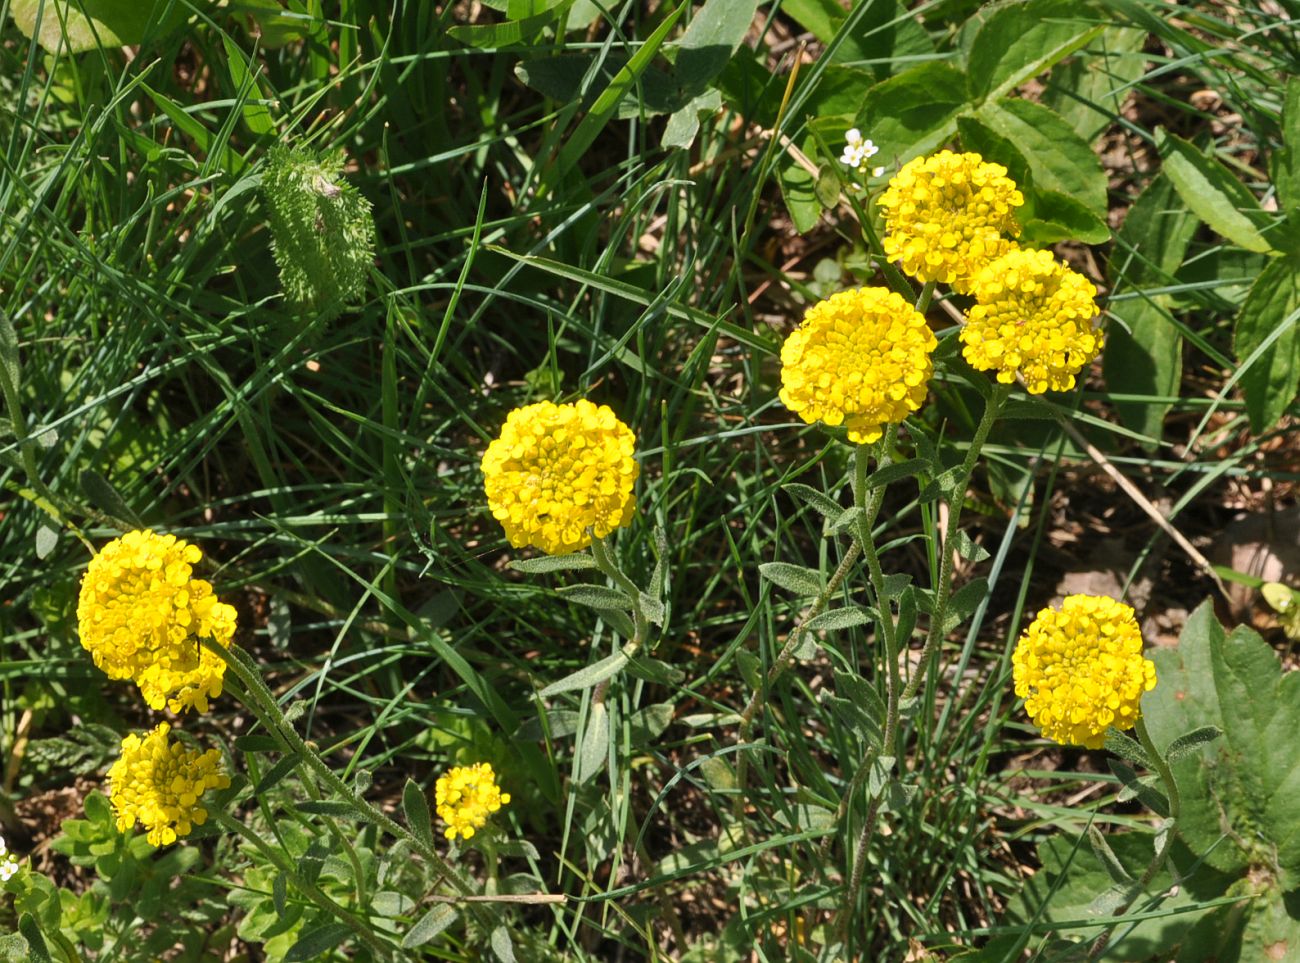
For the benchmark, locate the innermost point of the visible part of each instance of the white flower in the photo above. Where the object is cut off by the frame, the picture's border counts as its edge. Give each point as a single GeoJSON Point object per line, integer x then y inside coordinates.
{"type": "Point", "coordinates": [8, 865]}
{"type": "Point", "coordinates": [857, 152]}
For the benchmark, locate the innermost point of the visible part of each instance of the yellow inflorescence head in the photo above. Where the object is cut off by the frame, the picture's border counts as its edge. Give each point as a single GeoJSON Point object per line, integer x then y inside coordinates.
{"type": "Point", "coordinates": [946, 216]}
{"type": "Point", "coordinates": [1033, 316]}
{"type": "Point", "coordinates": [158, 783]}
{"type": "Point", "coordinates": [860, 359]}
{"type": "Point", "coordinates": [466, 796]}
{"type": "Point", "coordinates": [141, 615]}
{"type": "Point", "coordinates": [560, 474]}
{"type": "Point", "coordinates": [1080, 670]}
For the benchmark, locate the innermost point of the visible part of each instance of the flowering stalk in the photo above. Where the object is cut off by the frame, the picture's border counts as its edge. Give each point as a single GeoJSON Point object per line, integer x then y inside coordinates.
{"type": "Point", "coordinates": [943, 590]}
{"type": "Point", "coordinates": [263, 704]}
{"type": "Point", "coordinates": [1170, 830]}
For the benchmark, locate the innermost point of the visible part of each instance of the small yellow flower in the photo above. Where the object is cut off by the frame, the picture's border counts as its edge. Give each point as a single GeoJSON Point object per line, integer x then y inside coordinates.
{"type": "Point", "coordinates": [861, 358]}
{"type": "Point", "coordinates": [141, 615]}
{"type": "Point", "coordinates": [559, 474]}
{"type": "Point", "coordinates": [1081, 670]}
{"type": "Point", "coordinates": [1034, 316]}
{"type": "Point", "coordinates": [946, 214]}
{"type": "Point", "coordinates": [158, 783]}
{"type": "Point", "coordinates": [466, 796]}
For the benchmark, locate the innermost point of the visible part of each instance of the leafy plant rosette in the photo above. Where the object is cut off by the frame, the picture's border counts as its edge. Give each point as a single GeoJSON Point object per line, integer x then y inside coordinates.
{"type": "Point", "coordinates": [1231, 889]}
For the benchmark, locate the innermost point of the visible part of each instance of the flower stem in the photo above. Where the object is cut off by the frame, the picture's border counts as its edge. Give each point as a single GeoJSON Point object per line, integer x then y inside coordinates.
{"type": "Point", "coordinates": [943, 591]}
{"type": "Point", "coordinates": [268, 712]}
{"type": "Point", "coordinates": [1170, 829]}
{"type": "Point", "coordinates": [304, 886]}
{"type": "Point", "coordinates": [923, 300]}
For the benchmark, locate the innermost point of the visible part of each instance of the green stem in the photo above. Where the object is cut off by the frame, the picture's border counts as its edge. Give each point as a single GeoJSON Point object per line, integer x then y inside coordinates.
{"type": "Point", "coordinates": [269, 714]}
{"type": "Point", "coordinates": [303, 885]}
{"type": "Point", "coordinates": [1162, 854]}
{"type": "Point", "coordinates": [943, 591]}
{"type": "Point", "coordinates": [923, 300]}
{"type": "Point", "coordinates": [605, 562]}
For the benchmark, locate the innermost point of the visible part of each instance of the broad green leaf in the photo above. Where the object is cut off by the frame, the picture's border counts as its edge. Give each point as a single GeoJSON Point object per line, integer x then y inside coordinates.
{"type": "Point", "coordinates": [602, 111]}
{"type": "Point", "coordinates": [886, 35]}
{"type": "Point", "coordinates": [1073, 884]}
{"type": "Point", "coordinates": [912, 113]}
{"type": "Point", "coordinates": [1241, 794]}
{"type": "Point", "coordinates": [31, 932]}
{"type": "Point", "coordinates": [1059, 158]}
{"type": "Point", "coordinates": [1060, 217]}
{"type": "Point", "coordinates": [510, 33]}
{"type": "Point", "coordinates": [714, 33]}
{"type": "Point", "coordinates": [562, 78]}
{"type": "Point", "coordinates": [799, 191]}
{"type": "Point", "coordinates": [588, 676]}
{"type": "Point", "coordinates": [1214, 194]}
{"type": "Point", "coordinates": [1089, 90]}
{"type": "Point", "coordinates": [1018, 42]}
{"type": "Point", "coordinates": [1144, 348]}
{"type": "Point", "coordinates": [649, 722]}
{"type": "Point", "coordinates": [93, 23]}
{"type": "Point", "coordinates": [1272, 310]}
{"type": "Point", "coordinates": [1285, 163]}
{"type": "Point", "coordinates": [256, 114]}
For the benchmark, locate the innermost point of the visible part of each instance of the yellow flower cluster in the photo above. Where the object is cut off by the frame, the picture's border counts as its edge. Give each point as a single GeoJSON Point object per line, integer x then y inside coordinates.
{"type": "Point", "coordinates": [466, 796]}
{"type": "Point", "coordinates": [946, 216]}
{"type": "Point", "coordinates": [158, 783]}
{"type": "Point", "coordinates": [141, 615]}
{"type": "Point", "coordinates": [1033, 316]}
{"type": "Point", "coordinates": [1080, 670]}
{"type": "Point", "coordinates": [558, 475]}
{"type": "Point", "coordinates": [861, 358]}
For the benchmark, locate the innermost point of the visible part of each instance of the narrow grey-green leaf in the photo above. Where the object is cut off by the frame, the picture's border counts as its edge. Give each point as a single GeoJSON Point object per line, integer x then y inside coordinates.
{"type": "Point", "coordinates": [792, 578]}
{"type": "Point", "coordinates": [1271, 311]}
{"type": "Point", "coordinates": [822, 503]}
{"type": "Point", "coordinates": [318, 941]}
{"type": "Point", "coordinates": [593, 752]}
{"type": "Point", "coordinates": [574, 562]}
{"type": "Point", "coordinates": [47, 540]}
{"type": "Point", "coordinates": [751, 670]}
{"type": "Point", "coordinates": [1106, 856]}
{"type": "Point", "coordinates": [1190, 742]}
{"type": "Point", "coordinates": [1217, 197]}
{"type": "Point", "coordinates": [9, 354]}
{"type": "Point", "coordinates": [587, 676]}
{"type": "Point", "coordinates": [415, 805]}
{"type": "Point", "coordinates": [839, 619]}
{"type": "Point", "coordinates": [273, 776]}
{"type": "Point", "coordinates": [596, 596]}
{"type": "Point", "coordinates": [428, 926]}
{"type": "Point", "coordinates": [1126, 747]}
{"type": "Point", "coordinates": [105, 497]}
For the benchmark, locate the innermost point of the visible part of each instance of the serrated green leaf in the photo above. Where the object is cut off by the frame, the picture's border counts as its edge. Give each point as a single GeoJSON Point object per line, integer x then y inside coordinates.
{"type": "Point", "coordinates": [1019, 41]}
{"type": "Point", "coordinates": [1241, 793]}
{"type": "Point", "coordinates": [1210, 190]}
{"type": "Point", "coordinates": [587, 676]}
{"type": "Point", "coordinates": [574, 562]}
{"type": "Point", "coordinates": [1089, 90]}
{"type": "Point", "coordinates": [792, 578]}
{"type": "Point", "coordinates": [1271, 310]}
